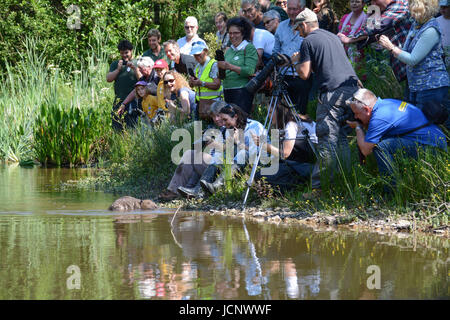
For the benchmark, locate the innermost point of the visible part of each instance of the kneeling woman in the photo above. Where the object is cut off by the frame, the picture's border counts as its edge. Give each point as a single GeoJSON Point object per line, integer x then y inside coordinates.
{"type": "Point", "coordinates": [235, 119]}
{"type": "Point", "coordinates": [180, 98]}
{"type": "Point", "coordinates": [296, 155]}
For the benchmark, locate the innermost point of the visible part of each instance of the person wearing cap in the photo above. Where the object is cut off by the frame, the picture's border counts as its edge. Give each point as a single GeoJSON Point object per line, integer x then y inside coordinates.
{"type": "Point", "coordinates": [191, 28]}
{"type": "Point", "coordinates": [206, 79]}
{"type": "Point", "coordinates": [423, 55]}
{"type": "Point", "coordinates": [444, 23]}
{"type": "Point", "coordinates": [152, 103]}
{"type": "Point", "coordinates": [287, 42]}
{"type": "Point", "coordinates": [323, 52]}
{"type": "Point", "coordinates": [179, 61]}
{"type": "Point", "coordinates": [387, 126]}
{"type": "Point", "coordinates": [155, 51]}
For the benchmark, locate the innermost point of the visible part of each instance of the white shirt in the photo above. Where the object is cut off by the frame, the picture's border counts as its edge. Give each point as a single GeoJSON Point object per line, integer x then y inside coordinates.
{"type": "Point", "coordinates": [263, 39]}
{"type": "Point", "coordinates": [186, 46]}
{"type": "Point", "coordinates": [294, 130]}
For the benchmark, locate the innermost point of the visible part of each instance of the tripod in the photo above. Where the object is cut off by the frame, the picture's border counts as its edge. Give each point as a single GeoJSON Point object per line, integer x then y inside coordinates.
{"type": "Point", "coordinates": [279, 94]}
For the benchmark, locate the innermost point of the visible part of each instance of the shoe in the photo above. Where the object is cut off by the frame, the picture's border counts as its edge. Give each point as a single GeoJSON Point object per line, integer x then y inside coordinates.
{"type": "Point", "coordinates": [314, 194]}
{"type": "Point", "coordinates": [195, 192]}
{"type": "Point", "coordinates": [212, 187]}
{"type": "Point", "coordinates": [168, 196]}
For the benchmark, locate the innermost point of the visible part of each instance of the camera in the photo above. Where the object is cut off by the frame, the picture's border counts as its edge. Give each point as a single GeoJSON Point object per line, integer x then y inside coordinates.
{"type": "Point", "coordinates": [220, 56]}
{"type": "Point", "coordinates": [276, 60]}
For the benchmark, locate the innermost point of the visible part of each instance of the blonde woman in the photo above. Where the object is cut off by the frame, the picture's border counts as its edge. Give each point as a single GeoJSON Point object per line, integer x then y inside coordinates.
{"type": "Point", "coordinates": [423, 54]}
{"type": "Point", "coordinates": [179, 97]}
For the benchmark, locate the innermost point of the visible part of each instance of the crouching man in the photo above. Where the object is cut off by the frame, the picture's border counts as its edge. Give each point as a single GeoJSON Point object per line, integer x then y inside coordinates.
{"type": "Point", "coordinates": [391, 125]}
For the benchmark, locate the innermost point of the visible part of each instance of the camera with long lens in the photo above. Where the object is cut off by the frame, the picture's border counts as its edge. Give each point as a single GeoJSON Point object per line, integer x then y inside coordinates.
{"type": "Point", "coordinates": [277, 59]}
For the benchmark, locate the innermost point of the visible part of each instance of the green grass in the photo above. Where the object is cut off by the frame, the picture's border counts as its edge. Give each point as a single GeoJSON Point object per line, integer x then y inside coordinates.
{"type": "Point", "coordinates": [51, 116]}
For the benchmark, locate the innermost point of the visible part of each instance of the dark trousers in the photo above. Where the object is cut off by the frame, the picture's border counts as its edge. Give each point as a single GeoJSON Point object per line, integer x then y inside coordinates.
{"type": "Point", "coordinates": [240, 97]}
{"type": "Point", "coordinates": [298, 90]}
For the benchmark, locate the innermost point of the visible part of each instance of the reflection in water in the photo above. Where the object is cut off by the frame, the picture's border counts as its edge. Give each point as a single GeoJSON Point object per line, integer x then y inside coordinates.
{"type": "Point", "coordinates": [141, 255]}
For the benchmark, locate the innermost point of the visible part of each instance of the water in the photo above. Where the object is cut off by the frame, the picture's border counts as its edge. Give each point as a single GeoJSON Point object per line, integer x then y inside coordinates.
{"type": "Point", "coordinates": [45, 231]}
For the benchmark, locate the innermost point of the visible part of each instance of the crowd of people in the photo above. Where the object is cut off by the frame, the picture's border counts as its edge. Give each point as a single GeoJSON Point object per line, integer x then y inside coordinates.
{"type": "Point", "coordinates": [182, 79]}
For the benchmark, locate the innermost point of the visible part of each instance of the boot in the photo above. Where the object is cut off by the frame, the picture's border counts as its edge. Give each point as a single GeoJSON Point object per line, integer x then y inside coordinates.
{"type": "Point", "coordinates": [193, 188]}
{"type": "Point", "coordinates": [190, 189]}
{"type": "Point", "coordinates": [214, 186]}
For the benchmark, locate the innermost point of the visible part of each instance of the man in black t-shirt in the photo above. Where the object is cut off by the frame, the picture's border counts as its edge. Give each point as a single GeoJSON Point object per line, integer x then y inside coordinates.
{"type": "Point", "coordinates": [322, 53]}
{"type": "Point", "coordinates": [182, 63]}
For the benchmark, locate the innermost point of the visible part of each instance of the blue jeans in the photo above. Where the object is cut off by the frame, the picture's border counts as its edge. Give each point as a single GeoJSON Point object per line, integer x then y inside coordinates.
{"type": "Point", "coordinates": [419, 98]}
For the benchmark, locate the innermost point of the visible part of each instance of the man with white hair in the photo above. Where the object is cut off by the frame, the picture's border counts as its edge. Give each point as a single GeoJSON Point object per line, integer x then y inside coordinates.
{"type": "Point", "coordinates": [323, 52]}
{"type": "Point", "coordinates": [191, 28]}
{"type": "Point", "coordinates": [391, 125]}
{"type": "Point", "coordinates": [145, 66]}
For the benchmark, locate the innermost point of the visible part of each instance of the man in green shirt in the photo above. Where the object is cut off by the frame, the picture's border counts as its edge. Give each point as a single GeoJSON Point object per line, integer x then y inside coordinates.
{"type": "Point", "coordinates": [155, 51]}
{"type": "Point", "coordinates": [124, 73]}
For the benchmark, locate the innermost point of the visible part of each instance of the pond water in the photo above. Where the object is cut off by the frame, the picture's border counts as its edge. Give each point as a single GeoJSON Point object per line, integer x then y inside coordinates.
{"type": "Point", "coordinates": [48, 234]}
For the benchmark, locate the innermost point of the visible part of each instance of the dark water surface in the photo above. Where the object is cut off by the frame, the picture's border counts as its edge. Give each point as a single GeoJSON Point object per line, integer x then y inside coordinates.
{"type": "Point", "coordinates": [47, 233]}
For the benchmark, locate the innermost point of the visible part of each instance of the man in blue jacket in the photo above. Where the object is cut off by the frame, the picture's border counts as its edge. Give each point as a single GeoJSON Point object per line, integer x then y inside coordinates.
{"type": "Point", "coordinates": [391, 125]}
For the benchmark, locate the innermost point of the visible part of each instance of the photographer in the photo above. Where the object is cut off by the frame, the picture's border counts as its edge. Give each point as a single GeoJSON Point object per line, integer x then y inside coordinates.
{"type": "Point", "coordinates": [323, 52]}
{"type": "Point", "coordinates": [124, 74]}
{"type": "Point", "coordinates": [391, 125]}
{"type": "Point", "coordinates": [296, 155]}
{"type": "Point", "coordinates": [394, 16]}
{"type": "Point", "coordinates": [240, 63]}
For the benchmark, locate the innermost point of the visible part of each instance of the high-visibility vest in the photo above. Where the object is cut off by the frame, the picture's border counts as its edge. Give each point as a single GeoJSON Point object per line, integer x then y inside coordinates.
{"type": "Point", "coordinates": [203, 92]}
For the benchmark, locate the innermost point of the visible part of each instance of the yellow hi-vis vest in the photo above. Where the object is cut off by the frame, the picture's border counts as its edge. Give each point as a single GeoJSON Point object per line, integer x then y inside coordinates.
{"type": "Point", "coordinates": [205, 93]}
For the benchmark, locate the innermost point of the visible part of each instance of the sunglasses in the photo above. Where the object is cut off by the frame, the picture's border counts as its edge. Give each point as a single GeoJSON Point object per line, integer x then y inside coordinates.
{"type": "Point", "coordinates": [280, 2]}
{"type": "Point", "coordinates": [169, 81]}
{"type": "Point", "coordinates": [268, 21]}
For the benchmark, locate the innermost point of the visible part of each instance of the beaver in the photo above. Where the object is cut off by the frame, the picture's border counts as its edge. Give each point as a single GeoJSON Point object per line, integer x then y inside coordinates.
{"type": "Point", "coordinates": [129, 203]}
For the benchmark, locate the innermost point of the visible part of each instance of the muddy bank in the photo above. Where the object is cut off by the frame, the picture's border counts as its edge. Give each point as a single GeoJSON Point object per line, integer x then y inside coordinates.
{"type": "Point", "coordinates": [373, 219]}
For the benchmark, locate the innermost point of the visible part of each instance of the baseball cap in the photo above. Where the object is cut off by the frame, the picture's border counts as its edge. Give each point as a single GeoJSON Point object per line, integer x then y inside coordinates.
{"type": "Point", "coordinates": [306, 15]}
{"type": "Point", "coordinates": [198, 47]}
{"type": "Point", "coordinates": [160, 64]}
{"type": "Point", "coordinates": [444, 3]}
{"type": "Point", "coordinates": [140, 83]}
